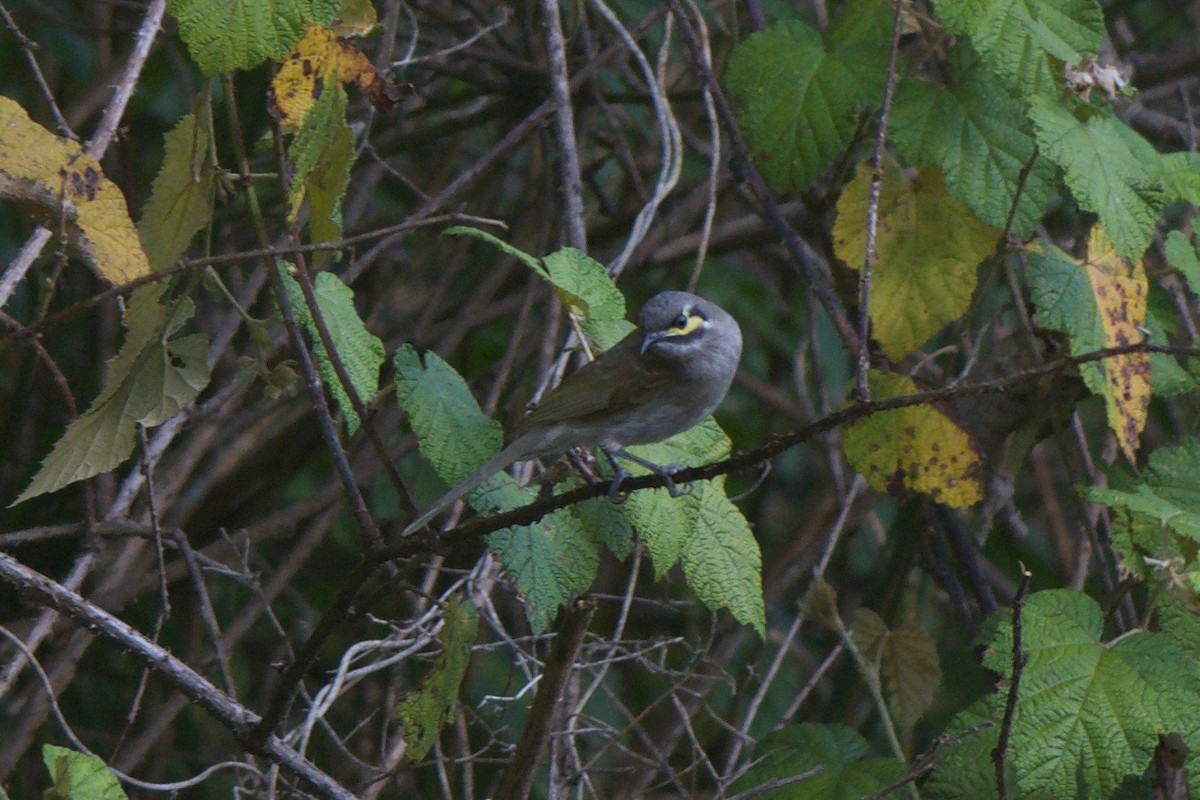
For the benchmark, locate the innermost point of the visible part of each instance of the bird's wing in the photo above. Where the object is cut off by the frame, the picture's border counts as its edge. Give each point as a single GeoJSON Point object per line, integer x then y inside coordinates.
{"type": "Point", "coordinates": [618, 380]}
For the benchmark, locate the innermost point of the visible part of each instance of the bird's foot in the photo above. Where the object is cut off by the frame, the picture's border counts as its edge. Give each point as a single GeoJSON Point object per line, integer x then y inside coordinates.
{"type": "Point", "coordinates": [619, 476]}
{"type": "Point", "coordinates": [666, 472]}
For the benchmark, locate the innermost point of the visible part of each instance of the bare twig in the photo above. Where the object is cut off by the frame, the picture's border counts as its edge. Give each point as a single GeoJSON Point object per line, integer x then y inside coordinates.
{"type": "Point", "coordinates": [862, 387]}
{"type": "Point", "coordinates": [564, 127]}
{"type": "Point", "coordinates": [1019, 657]}
{"type": "Point", "coordinates": [27, 48]}
{"type": "Point", "coordinates": [518, 778]}
{"type": "Point", "coordinates": [239, 720]}
{"type": "Point", "coordinates": [805, 260]}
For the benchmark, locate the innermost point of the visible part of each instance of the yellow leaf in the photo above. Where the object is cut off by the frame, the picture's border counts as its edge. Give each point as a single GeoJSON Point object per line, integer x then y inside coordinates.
{"type": "Point", "coordinates": [927, 247]}
{"type": "Point", "coordinates": [321, 57]}
{"type": "Point", "coordinates": [54, 176]}
{"type": "Point", "coordinates": [1119, 286]}
{"type": "Point", "coordinates": [914, 449]}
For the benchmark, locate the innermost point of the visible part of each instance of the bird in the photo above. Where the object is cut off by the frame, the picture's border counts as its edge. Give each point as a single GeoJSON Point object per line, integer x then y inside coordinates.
{"type": "Point", "coordinates": [665, 376]}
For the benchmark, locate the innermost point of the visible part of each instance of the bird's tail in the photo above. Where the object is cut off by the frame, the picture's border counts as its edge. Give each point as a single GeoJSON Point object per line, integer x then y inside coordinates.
{"type": "Point", "coordinates": [516, 451]}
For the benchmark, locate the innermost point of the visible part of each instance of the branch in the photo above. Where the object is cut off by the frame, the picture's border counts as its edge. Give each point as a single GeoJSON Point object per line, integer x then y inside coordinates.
{"type": "Point", "coordinates": [527, 515]}
{"type": "Point", "coordinates": [743, 167]}
{"type": "Point", "coordinates": [564, 127]}
{"type": "Point", "coordinates": [755, 457]}
{"type": "Point", "coordinates": [862, 389]}
{"type": "Point", "coordinates": [241, 721]}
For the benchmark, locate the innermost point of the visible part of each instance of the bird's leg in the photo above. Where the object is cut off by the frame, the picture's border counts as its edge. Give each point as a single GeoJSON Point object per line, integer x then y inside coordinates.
{"type": "Point", "coordinates": [666, 472]}
{"type": "Point", "coordinates": [619, 474]}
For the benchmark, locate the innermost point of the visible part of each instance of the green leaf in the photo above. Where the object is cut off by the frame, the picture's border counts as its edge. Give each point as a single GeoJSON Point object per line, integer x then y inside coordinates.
{"type": "Point", "coordinates": [224, 35]}
{"type": "Point", "coordinates": [1089, 713]}
{"type": "Point", "coordinates": [663, 522]}
{"type": "Point", "coordinates": [360, 351]}
{"type": "Point", "coordinates": [425, 712]}
{"type": "Point", "coordinates": [799, 100]}
{"type": "Point", "coordinates": [1110, 170]}
{"type": "Point", "coordinates": [836, 749]}
{"type": "Point", "coordinates": [1184, 257]}
{"type": "Point", "coordinates": [606, 522]}
{"type": "Point", "coordinates": [1064, 301]}
{"type": "Point", "coordinates": [703, 528]}
{"type": "Point", "coordinates": [180, 203]}
{"type": "Point", "coordinates": [1168, 491]}
{"type": "Point", "coordinates": [325, 188]}
{"type": "Point", "coordinates": [968, 771]}
{"type": "Point", "coordinates": [580, 281]}
{"type": "Point", "coordinates": [549, 561]}
{"type": "Point", "coordinates": [318, 153]}
{"type": "Point", "coordinates": [1021, 40]}
{"type": "Point", "coordinates": [1182, 627]}
{"type": "Point", "coordinates": [722, 562]}
{"type": "Point", "coordinates": [1181, 176]}
{"type": "Point", "coordinates": [530, 261]}
{"type": "Point", "coordinates": [1167, 377]}
{"type": "Point", "coordinates": [452, 432]}
{"type": "Point", "coordinates": [585, 287]}
{"type": "Point", "coordinates": [149, 381]}
{"type": "Point", "coordinates": [976, 132]}
{"type": "Point", "coordinates": [79, 777]}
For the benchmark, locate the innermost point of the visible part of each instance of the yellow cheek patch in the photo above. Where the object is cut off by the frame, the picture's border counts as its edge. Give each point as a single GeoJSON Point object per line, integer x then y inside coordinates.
{"type": "Point", "coordinates": [693, 322]}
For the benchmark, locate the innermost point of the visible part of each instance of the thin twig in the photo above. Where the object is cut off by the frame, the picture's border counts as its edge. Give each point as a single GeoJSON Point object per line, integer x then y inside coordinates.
{"type": "Point", "coordinates": [238, 719]}
{"type": "Point", "coordinates": [27, 48]}
{"type": "Point", "coordinates": [518, 778]}
{"type": "Point", "coordinates": [368, 529]}
{"type": "Point", "coordinates": [564, 127]}
{"type": "Point", "coordinates": [99, 142]}
{"type": "Point", "coordinates": [1019, 658]}
{"type": "Point", "coordinates": [802, 256]}
{"type": "Point", "coordinates": [366, 425]}
{"type": "Point", "coordinates": [862, 386]}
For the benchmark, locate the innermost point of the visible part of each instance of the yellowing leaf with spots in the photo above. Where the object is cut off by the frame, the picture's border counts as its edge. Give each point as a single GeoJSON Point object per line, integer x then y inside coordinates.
{"type": "Point", "coordinates": [1098, 303]}
{"type": "Point", "coordinates": [320, 58]}
{"type": "Point", "coordinates": [62, 183]}
{"type": "Point", "coordinates": [916, 449]}
{"type": "Point", "coordinates": [927, 247]}
{"type": "Point", "coordinates": [1119, 286]}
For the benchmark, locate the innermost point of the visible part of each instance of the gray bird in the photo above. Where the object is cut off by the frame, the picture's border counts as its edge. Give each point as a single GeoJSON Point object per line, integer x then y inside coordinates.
{"type": "Point", "coordinates": [658, 381]}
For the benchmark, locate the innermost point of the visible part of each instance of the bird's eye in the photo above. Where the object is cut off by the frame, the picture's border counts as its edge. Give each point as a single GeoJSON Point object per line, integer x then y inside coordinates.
{"type": "Point", "coordinates": [680, 322]}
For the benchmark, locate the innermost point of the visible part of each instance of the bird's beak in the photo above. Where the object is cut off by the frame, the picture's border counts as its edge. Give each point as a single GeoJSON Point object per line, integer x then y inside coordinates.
{"type": "Point", "coordinates": [650, 338]}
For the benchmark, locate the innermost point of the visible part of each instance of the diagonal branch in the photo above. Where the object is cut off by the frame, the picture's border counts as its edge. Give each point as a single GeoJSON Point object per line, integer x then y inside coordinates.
{"type": "Point", "coordinates": [241, 721]}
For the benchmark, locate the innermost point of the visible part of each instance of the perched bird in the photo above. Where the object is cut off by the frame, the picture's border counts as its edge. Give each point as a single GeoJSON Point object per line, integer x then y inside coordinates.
{"type": "Point", "coordinates": [658, 381]}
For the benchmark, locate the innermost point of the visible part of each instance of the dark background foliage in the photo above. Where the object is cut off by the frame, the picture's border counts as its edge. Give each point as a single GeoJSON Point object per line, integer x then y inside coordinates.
{"type": "Point", "coordinates": [682, 694]}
